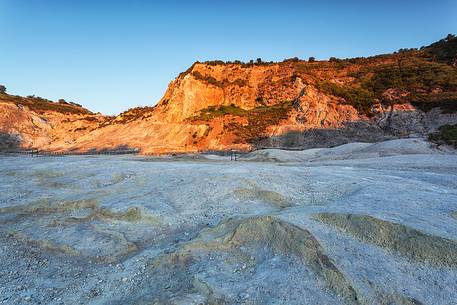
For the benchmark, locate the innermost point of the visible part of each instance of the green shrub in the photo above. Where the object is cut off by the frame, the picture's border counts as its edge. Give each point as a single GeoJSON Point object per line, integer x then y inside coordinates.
{"type": "Point", "coordinates": [211, 80]}
{"type": "Point", "coordinates": [40, 105]}
{"type": "Point", "coordinates": [446, 101]}
{"type": "Point", "coordinates": [259, 119]}
{"type": "Point", "coordinates": [412, 74]}
{"type": "Point", "coordinates": [361, 99]}
{"type": "Point", "coordinates": [446, 133]}
{"type": "Point", "coordinates": [212, 112]}
{"type": "Point", "coordinates": [444, 50]}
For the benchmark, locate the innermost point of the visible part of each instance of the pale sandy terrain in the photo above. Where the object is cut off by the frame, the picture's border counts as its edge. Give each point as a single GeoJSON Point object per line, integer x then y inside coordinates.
{"type": "Point", "coordinates": [355, 224]}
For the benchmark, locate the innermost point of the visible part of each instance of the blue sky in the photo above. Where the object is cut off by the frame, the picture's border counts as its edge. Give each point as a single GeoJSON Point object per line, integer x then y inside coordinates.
{"type": "Point", "coordinates": [112, 55]}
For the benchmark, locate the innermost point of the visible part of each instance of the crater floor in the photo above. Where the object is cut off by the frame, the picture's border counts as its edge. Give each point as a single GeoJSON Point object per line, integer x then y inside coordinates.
{"type": "Point", "coordinates": [357, 224]}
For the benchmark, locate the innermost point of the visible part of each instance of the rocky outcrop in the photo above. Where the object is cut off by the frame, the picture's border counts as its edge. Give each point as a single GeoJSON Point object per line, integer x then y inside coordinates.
{"type": "Point", "coordinates": [43, 129]}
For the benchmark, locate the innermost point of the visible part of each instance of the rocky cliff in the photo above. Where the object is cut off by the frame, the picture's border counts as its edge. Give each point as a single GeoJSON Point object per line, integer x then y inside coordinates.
{"type": "Point", "coordinates": [223, 105]}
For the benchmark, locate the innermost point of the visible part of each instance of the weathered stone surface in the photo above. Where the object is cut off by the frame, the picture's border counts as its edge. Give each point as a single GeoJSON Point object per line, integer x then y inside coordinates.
{"type": "Point", "coordinates": [396, 237]}
{"type": "Point", "coordinates": [196, 230]}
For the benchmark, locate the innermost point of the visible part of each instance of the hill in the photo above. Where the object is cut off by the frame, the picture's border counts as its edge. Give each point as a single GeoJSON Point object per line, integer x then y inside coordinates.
{"type": "Point", "coordinates": [295, 103]}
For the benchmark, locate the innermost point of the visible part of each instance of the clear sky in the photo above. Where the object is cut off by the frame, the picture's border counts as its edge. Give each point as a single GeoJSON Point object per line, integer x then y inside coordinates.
{"type": "Point", "coordinates": [112, 55]}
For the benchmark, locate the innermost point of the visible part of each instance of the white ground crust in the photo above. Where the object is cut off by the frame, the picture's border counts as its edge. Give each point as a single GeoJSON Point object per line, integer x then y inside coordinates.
{"type": "Point", "coordinates": [134, 230]}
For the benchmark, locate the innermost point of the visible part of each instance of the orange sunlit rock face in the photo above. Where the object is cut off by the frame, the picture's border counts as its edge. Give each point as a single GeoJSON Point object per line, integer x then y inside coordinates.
{"type": "Point", "coordinates": [220, 106]}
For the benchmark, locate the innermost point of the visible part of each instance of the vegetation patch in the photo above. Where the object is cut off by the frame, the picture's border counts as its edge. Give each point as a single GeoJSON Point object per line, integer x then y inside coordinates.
{"type": "Point", "coordinates": [135, 113]}
{"type": "Point", "coordinates": [446, 101]}
{"type": "Point", "coordinates": [444, 50]}
{"type": "Point", "coordinates": [224, 83]}
{"type": "Point", "coordinates": [128, 116]}
{"type": "Point", "coordinates": [251, 63]}
{"type": "Point", "coordinates": [360, 98]}
{"type": "Point", "coordinates": [259, 119]}
{"type": "Point", "coordinates": [446, 134]}
{"type": "Point", "coordinates": [212, 112]}
{"type": "Point", "coordinates": [41, 105]}
{"type": "Point", "coordinates": [412, 74]}
{"type": "Point", "coordinates": [428, 84]}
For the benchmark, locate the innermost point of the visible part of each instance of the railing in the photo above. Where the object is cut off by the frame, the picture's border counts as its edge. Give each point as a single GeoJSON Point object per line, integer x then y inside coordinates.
{"type": "Point", "coordinates": [35, 152]}
{"type": "Point", "coordinates": [20, 151]}
{"type": "Point", "coordinates": [233, 155]}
